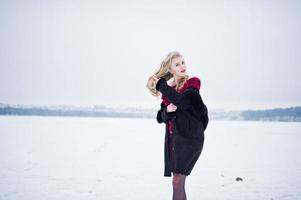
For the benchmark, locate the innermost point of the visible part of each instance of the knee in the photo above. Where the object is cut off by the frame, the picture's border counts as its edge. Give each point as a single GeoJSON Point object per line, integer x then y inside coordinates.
{"type": "Point", "coordinates": [178, 181]}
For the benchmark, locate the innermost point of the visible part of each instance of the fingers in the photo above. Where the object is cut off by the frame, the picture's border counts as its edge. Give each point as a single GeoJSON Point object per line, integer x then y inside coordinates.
{"type": "Point", "coordinates": [171, 110]}
{"type": "Point", "coordinates": [155, 77]}
{"type": "Point", "coordinates": [173, 105]}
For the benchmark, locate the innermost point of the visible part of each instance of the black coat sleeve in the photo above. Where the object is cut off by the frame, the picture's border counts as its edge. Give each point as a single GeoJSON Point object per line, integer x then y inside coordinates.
{"type": "Point", "coordinates": [163, 115]}
{"type": "Point", "coordinates": [189, 101]}
{"type": "Point", "coordinates": [181, 100]}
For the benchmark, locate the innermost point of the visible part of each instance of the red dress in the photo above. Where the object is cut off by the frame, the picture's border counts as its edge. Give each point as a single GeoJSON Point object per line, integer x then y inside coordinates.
{"type": "Point", "coordinates": [194, 82]}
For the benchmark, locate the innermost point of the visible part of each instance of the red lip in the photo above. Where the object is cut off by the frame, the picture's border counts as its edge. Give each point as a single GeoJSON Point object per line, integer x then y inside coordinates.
{"type": "Point", "coordinates": [183, 71]}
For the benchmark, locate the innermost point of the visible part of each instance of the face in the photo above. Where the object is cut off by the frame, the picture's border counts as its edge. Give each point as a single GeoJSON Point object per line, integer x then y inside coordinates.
{"type": "Point", "coordinates": [178, 67]}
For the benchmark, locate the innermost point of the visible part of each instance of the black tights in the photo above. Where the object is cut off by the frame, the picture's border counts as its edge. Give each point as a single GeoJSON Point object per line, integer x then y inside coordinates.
{"type": "Point", "coordinates": [178, 185]}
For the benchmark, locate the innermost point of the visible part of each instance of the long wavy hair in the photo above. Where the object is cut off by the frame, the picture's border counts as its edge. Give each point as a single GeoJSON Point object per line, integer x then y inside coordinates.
{"type": "Point", "coordinates": [163, 72]}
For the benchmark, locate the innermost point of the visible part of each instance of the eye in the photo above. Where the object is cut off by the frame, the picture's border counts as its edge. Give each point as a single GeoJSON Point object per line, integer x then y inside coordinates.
{"type": "Point", "coordinates": [177, 64]}
{"type": "Point", "coordinates": [183, 62]}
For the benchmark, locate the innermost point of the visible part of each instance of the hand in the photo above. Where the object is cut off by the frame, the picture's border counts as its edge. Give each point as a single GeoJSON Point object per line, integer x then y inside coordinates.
{"type": "Point", "coordinates": [155, 78]}
{"type": "Point", "coordinates": [171, 107]}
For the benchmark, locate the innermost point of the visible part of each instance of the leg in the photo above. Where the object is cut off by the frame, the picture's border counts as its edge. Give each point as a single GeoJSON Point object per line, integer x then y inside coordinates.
{"type": "Point", "coordinates": [178, 185]}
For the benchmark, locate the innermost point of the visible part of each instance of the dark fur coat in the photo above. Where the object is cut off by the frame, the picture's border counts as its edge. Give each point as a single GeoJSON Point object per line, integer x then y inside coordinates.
{"type": "Point", "coordinates": [189, 121]}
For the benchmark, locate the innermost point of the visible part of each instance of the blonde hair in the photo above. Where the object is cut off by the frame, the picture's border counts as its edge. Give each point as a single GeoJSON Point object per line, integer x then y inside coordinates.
{"type": "Point", "coordinates": [163, 72]}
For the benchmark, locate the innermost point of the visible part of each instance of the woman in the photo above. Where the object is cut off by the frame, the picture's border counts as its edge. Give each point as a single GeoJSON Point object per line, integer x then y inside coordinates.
{"type": "Point", "coordinates": [185, 116]}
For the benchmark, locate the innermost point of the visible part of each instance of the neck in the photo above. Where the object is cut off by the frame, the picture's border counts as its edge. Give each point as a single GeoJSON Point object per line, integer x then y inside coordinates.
{"type": "Point", "coordinates": [176, 78]}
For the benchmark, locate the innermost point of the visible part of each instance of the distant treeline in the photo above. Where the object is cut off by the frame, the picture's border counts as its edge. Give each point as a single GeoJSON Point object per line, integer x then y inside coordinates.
{"type": "Point", "coordinates": [277, 114]}
{"type": "Point", "coordinates": [36, 111]}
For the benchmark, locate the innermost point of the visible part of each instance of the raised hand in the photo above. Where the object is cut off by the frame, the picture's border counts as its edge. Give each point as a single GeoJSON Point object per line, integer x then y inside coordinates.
{"type": "Point", "coordinates": [155, 78]}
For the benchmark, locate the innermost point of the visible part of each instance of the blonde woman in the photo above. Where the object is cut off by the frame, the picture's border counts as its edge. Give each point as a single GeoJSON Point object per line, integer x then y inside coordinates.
{"type": "Point", "coordinates": [185, 116]}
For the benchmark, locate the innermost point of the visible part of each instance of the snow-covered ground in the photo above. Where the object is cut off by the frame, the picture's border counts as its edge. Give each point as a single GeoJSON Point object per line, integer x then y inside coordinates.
{"type": "Point", "coordinates": [63, 158]}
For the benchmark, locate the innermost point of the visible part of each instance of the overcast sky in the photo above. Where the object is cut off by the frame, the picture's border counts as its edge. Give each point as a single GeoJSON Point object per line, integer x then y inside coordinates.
{"type": "Point", "coordinates": [246, 53]}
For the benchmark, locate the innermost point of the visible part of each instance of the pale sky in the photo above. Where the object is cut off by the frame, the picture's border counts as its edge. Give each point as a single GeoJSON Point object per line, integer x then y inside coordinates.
{"type": "Point", "coordinates": [84, 53]}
